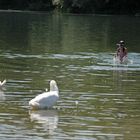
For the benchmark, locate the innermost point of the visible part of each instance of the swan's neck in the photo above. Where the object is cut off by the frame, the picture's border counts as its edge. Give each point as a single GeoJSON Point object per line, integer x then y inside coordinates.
{"type": "Point", "coordinates": [53, 88]}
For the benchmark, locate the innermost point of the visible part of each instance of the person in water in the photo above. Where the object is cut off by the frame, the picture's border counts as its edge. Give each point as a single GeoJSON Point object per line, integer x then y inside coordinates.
{"type": "Point", "coordinates": [121, 51]}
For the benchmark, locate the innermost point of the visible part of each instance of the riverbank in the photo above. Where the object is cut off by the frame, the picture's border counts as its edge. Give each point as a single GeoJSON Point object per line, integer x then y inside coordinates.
{"type": "Point", "coordinates": [66, 13]}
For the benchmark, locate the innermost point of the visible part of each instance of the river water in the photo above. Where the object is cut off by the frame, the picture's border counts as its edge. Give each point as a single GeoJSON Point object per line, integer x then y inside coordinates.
{"type": "Point", "coordinates": [99, 100]}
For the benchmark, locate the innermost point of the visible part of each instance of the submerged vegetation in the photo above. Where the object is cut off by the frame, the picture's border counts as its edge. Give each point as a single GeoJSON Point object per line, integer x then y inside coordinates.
{"type": "Point", "coordinates": [75, 6]}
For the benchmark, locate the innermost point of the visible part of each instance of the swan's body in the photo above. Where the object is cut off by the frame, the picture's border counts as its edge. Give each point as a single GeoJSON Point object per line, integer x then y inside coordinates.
{"type": "Point", "coordinates": [2, 83]}
{"type": "Point", "coordinates": [46, 99]}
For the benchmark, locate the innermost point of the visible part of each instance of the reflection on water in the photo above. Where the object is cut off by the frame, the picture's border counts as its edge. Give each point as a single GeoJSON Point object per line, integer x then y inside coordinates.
{"type": "Point", "coordinates": [2, 95]}
{"type": "Point", "coordinates": [77, 52]}
{"type": "Point", "coordinates": [47, 118]}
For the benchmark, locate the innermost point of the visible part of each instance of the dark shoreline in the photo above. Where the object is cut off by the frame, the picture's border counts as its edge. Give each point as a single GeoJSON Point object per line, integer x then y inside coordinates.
{"type": "Point", "coordinates": [64, 13]}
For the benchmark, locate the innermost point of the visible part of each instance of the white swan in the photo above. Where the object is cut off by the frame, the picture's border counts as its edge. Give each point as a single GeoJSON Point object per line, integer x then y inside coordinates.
{"type": "Point", "coordinates": [46, 99]}
{"type": "Point", "coordinates": [2, 83]}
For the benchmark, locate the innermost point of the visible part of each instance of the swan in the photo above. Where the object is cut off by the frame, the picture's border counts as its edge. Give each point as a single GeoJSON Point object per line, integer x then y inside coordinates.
{"type": "Point", "coordinates": [2, 83]}
{"type": "Point", "coordinates": [46, 99]}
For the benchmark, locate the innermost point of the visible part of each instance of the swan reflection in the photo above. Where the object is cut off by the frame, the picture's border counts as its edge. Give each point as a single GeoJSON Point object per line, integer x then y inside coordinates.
{"type": "Point", "coordinates": [48, 119]}
{"type": "Point", "coordinates": [2, 95]}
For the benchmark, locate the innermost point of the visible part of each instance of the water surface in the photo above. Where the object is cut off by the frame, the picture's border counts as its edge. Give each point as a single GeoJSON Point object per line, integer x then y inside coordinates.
{"type": "Point", "coordinates": [76, 51]}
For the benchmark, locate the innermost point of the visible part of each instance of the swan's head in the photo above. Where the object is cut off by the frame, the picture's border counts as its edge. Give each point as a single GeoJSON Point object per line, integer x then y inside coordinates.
{"type": "Point", "coordinates": [2, 83]}
{"type": "Point", "coordinates": [53, 85]}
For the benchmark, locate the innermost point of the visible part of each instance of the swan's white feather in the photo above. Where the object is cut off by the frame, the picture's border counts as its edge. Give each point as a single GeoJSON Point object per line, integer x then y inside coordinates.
{"type": "Point", "coordinates": [2, 83]}
{"type": "Point", "coordinates": [46, 99]}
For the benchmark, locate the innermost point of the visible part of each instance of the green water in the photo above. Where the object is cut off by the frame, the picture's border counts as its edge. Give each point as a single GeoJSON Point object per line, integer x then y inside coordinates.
{"type": "Point", "coordinates": [77, 52]}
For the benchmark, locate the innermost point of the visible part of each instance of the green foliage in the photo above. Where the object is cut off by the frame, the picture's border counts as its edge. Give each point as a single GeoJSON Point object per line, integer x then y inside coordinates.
{"type": "Point", "coordinates": [38, 5]}
{"type": "Point", "coordinates": [79, 6]}
{"type": "Point", "coordinates": [102, 6]}
{"type": "Point", "coordinates": [75, 6]}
